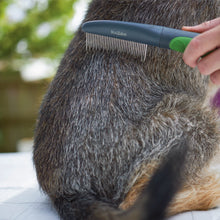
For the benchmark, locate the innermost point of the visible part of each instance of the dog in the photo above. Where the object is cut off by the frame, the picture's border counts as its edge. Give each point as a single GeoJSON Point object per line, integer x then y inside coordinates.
{"type": "Point", "coordinates": [119, 138]}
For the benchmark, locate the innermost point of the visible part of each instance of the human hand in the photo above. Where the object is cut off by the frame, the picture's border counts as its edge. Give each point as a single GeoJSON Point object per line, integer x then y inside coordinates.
{"type": "Point", "coordinates": [208, 40]}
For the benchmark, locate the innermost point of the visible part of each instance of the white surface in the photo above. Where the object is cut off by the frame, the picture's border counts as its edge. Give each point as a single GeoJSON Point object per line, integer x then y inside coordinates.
{"type": "Point", "coordinates": [21, 199]}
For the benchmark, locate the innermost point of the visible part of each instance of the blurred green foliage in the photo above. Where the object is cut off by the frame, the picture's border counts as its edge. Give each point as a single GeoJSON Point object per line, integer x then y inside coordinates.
{"type": "Point", "coordinates": [30, 30]}
{"type": "Point", "coordinates": [53, 13]}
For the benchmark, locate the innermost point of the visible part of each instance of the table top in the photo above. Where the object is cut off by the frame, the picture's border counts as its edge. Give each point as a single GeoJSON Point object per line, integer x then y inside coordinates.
{"type": "Point", "coordinates": [22, 199]}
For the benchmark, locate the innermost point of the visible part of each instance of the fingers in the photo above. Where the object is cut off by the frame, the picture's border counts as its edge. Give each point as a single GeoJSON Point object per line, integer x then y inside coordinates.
{"type": "Point", "coordinates": [215, 77]}
{"type": "Point", "coordinates": [203, 27]}
{"type": "Point", "coordinates": [210, 63]}
{"type": "Point", "coordinates": [201, 45]}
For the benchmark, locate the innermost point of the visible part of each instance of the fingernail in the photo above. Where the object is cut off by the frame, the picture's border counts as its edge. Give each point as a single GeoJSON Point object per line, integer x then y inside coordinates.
{"type": "Point", "coordinates": [215, 78]}
{"type": "Point", "coordinates": [186, 27]}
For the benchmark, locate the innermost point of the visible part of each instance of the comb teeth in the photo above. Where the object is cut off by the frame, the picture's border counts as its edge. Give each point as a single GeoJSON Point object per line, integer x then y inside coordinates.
{"type": "Point", "coordinates": [99, 42]}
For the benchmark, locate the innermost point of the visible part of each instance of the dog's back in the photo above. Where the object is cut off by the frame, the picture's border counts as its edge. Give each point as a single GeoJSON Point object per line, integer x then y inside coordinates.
{"type": "Point", "coordinates": [108, 119]}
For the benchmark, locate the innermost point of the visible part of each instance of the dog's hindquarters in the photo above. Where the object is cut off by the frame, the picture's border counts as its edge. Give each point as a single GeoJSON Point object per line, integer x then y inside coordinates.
{"type": "Point", "coordinates": [94, 121]}
{"type": "Point", "coordinates": [152, 204]}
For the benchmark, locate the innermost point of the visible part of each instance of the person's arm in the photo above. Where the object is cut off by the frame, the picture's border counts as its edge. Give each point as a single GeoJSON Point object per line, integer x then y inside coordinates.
{"type": "Point", "coordinates": [208, 40]}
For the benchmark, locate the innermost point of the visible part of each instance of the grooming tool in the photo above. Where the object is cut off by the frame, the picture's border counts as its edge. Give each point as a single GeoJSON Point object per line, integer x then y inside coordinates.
{"type": "Point", "coordinates": [133, 38]}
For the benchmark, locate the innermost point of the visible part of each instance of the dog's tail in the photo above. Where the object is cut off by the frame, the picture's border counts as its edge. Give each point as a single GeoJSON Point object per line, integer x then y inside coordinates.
{"type": "Point", "coordinates": [152, 205]}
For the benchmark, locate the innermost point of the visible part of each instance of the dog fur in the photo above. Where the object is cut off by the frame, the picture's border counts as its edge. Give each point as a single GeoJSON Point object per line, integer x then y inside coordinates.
{"type": "Point", "coordinates": [109, 120]}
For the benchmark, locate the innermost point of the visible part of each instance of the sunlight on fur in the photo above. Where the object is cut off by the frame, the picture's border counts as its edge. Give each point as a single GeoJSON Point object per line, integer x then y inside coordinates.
{"type": "Point", "coordinates": [203, 194]}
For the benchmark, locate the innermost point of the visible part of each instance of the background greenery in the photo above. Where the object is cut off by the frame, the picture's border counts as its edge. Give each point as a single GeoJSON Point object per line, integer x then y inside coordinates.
{"type": "Point", "coordinates": [29, 30]}
{"type": "Point", "coordinates": [54, 13]}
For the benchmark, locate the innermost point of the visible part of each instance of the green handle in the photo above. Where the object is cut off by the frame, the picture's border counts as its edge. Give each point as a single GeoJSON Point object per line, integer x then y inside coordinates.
{"type": "Point", "coordinates": [179, 43]}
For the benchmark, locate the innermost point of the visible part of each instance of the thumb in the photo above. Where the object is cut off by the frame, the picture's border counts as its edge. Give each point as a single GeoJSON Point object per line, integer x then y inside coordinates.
{"type": "Point", "coordinates": [205, 26]}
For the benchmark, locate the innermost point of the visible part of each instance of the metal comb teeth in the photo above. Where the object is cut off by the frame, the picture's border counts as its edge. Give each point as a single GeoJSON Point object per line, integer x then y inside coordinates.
{"type": "Point", "coordinates": [99, 42]}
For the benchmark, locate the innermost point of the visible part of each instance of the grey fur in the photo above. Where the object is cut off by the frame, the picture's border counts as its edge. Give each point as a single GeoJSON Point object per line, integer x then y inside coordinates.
{"type": "Point", "coordinates": [107, 115]}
